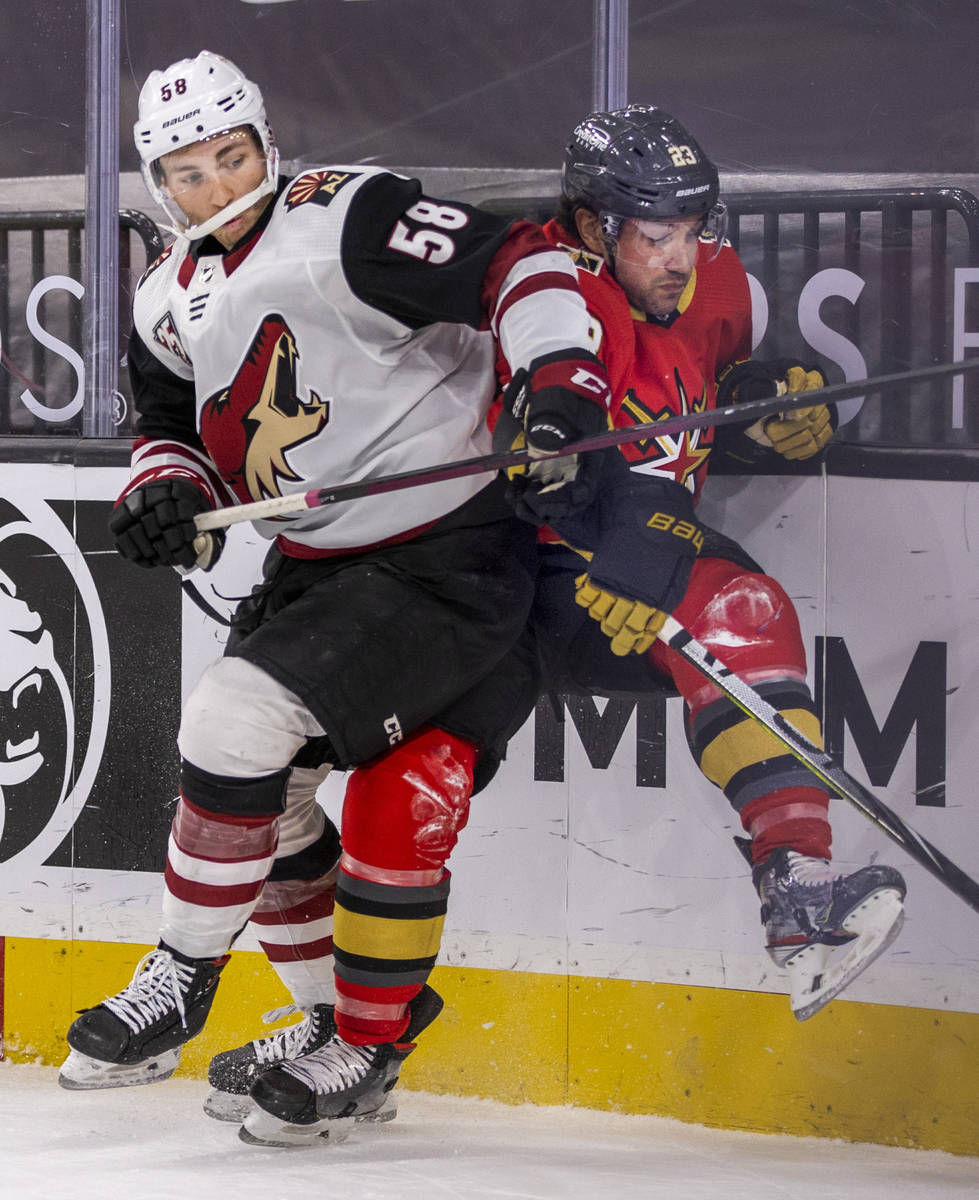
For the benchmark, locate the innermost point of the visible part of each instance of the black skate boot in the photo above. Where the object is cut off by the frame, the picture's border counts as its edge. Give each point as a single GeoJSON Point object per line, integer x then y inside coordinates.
{"type": "Point", "coordinates": [136, 1036]}
{"type": "Point", "coordinates": [825, 927]}
{"type": "Point", "coordinates": [323, 1094]}
{"type": "Point", "coordinates": [232, 1072]}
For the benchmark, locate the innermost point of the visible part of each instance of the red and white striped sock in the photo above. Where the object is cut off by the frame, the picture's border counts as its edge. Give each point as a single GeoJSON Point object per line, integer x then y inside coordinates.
{"type": "Point", "coordinates": [215, 870]}
{"type": "Point", "coordinates": [293, 921]}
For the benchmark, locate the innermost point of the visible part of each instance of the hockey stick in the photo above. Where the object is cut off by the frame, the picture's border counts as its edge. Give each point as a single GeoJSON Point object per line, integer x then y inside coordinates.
{"type": "Point", "coordinates": [822, 765]}
{"type": "Point", "coordinates": [282, 506]}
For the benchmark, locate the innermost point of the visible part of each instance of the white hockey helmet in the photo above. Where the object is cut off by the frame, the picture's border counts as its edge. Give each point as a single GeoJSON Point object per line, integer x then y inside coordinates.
{"type": "Point", "coordinates": [194, 99]}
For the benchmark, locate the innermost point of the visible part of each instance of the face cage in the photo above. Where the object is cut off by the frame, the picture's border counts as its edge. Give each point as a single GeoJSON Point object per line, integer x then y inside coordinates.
{"type": "Point", "coordinates": [153, 178]}
{"type": "Point", "coordinates": [712, 233]}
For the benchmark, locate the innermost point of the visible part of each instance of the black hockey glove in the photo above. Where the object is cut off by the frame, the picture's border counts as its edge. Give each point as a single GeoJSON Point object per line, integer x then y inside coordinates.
{"type": "Point", "coordinates": [795, 435]}
{"type": "Point", "coordinates": [153, 526]}
{"type": "Point", "coordinates": [560, 399]}
{"type": "Point", "coordinates": [644, 538]}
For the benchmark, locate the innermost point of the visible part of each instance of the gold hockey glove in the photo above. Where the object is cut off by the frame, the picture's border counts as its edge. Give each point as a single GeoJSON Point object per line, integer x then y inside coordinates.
{"type": "Point", "coordinates": [803, 432]}
{"type": "Point", "coordinates": [795, 435]}
{"type": "Point", "coordinates": [630, 625]}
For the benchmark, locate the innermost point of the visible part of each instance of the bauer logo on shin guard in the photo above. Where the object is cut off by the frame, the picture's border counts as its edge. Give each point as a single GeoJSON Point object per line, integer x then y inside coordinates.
{"type": "Point", "coordinates": [392, 727]}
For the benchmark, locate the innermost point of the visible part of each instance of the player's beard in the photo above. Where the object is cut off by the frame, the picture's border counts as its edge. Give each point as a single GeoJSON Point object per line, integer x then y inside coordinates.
{"type": "Point", "coordinates": [653, 290]}
{"type": "Point", "coordinates": [661, 297]}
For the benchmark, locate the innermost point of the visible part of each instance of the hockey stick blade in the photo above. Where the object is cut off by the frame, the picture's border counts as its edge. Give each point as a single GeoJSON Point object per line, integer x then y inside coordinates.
{"type": "Point", "coordinates": [823, 766]}
{"type": "Point", "coordinates": [285, 506]}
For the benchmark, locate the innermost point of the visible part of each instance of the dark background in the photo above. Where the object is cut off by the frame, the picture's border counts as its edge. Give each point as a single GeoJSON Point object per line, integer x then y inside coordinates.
{"type": "Point", "coordinates": [773, 85]}
{"type": "Point", "coordinates": [128, 811]}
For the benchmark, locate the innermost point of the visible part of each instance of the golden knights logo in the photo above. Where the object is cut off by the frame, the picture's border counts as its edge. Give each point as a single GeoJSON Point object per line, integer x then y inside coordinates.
{"type": "Point", "coordinates": [318, 187]}
{"type": "Point", "coordinates": [674, 456]}
{"type": "Point", "coordinates": [583, 259]}
{"type": "Point", "coordinates": [250, 426]}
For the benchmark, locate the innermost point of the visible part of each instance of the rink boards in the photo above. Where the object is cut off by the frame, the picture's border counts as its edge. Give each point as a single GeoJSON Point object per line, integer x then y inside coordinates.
{"type": "Point", "coordinates": [602, 946]}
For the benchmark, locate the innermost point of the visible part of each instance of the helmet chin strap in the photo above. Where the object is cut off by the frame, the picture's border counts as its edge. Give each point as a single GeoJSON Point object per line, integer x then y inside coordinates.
{"type": "Point", "coordinates": [194, 232]}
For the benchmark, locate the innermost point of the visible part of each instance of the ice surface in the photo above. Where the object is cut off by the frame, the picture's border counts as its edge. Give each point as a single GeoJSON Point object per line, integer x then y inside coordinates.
{"type": "Point", "coordinates": [154, 1143]}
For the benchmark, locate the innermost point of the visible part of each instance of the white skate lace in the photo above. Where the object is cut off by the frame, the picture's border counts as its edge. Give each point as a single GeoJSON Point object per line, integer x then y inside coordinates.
{"type": "Point", "coordinates": [153, 991]}
{"type": "Point", "coordinates": [810, 872]}
{"type": "Point", "coordinates": [284, 1043]}
{"type": "Point", "coordinates": [333, 1067]}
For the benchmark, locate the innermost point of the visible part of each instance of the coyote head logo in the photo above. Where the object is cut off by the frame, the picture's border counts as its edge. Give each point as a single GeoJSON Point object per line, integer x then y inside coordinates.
{"type": "Point", "coordinates": [250, 426]}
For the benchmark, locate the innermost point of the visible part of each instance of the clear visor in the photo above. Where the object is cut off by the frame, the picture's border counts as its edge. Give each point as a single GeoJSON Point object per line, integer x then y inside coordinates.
{"type": "Point", "coordinates": [224, 173]}
{"type": "Point", "coordinates": [225, 156]}
{"type": "Point", "coordinates": [675, 243]}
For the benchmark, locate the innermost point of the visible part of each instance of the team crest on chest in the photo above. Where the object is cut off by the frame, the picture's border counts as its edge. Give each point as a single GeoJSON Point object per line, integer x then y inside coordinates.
{"type": "Point", "coordinates": [674, 456]}
{"type": "Point", "coordinates": [250, 426]}
{"type": "Point", "coordinates": [317, 187]}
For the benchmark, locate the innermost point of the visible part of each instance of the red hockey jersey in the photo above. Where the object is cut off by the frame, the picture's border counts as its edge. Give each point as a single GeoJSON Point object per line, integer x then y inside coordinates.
{"type": "Point", "coordinates": [661, 368]}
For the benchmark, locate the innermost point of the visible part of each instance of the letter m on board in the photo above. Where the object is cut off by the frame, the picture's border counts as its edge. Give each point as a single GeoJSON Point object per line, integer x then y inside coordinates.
{"type": "Point", "coordinates": [919, 705]}
{"type": "Point", "coordinates": [600, 732]}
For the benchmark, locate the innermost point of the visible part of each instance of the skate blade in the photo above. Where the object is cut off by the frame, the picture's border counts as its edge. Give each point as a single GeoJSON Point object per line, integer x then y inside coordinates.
{"type": "Point", "coordinates": [820, 972]}
{"type": "Point", "coordinates": [226, 1106]}
{"type": "Point", "coordinates": [262, 1129]}
{"type": "Point", "coordinates": [80, 1073]}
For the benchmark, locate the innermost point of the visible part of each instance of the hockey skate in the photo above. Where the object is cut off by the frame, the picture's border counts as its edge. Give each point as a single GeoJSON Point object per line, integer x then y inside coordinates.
{"type": "Point", "coordinates": [232, 1072]}
{"type": "Point", "coordinates": [824, 927]}
{"type": "Point", "coordinates": [322, 1095]}
{"type": "Point", "coordinates": [136, 1036]}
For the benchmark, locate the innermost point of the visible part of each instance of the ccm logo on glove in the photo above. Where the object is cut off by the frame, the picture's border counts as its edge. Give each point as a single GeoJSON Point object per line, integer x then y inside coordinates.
{"type": "Point", "coordinates": [586, 379]}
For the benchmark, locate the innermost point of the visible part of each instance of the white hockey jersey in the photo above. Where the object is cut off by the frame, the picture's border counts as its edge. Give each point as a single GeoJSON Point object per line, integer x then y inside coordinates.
{"type": "Point", "coordinates": [350, 336]}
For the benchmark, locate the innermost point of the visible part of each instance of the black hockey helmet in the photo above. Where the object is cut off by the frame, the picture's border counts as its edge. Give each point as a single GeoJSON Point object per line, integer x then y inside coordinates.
{"type": "Point", "coordinates": [640, 162]}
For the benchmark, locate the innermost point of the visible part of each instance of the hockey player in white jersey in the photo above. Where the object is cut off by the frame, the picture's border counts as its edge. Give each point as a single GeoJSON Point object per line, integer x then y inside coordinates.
{"type": "Point", "coordinates": [298, 333]}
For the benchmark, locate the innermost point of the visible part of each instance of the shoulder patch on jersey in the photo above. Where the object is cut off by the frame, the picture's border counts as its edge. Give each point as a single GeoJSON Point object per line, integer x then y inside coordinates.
{"type": "Point", "coordinates": [165, 334]}
{"type": "Point", "coordinates": [317, 187]}
{"type": "Point", "coordinates": [155, 265]}
{"type": "Point", "coordinates": [583, 259]}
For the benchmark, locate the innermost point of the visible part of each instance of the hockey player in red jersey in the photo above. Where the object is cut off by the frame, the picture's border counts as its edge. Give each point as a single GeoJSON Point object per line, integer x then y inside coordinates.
{"type": "Point", "coordinates": [302, 332]}
{"type": "Point", "coordinates": [640, 218]}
